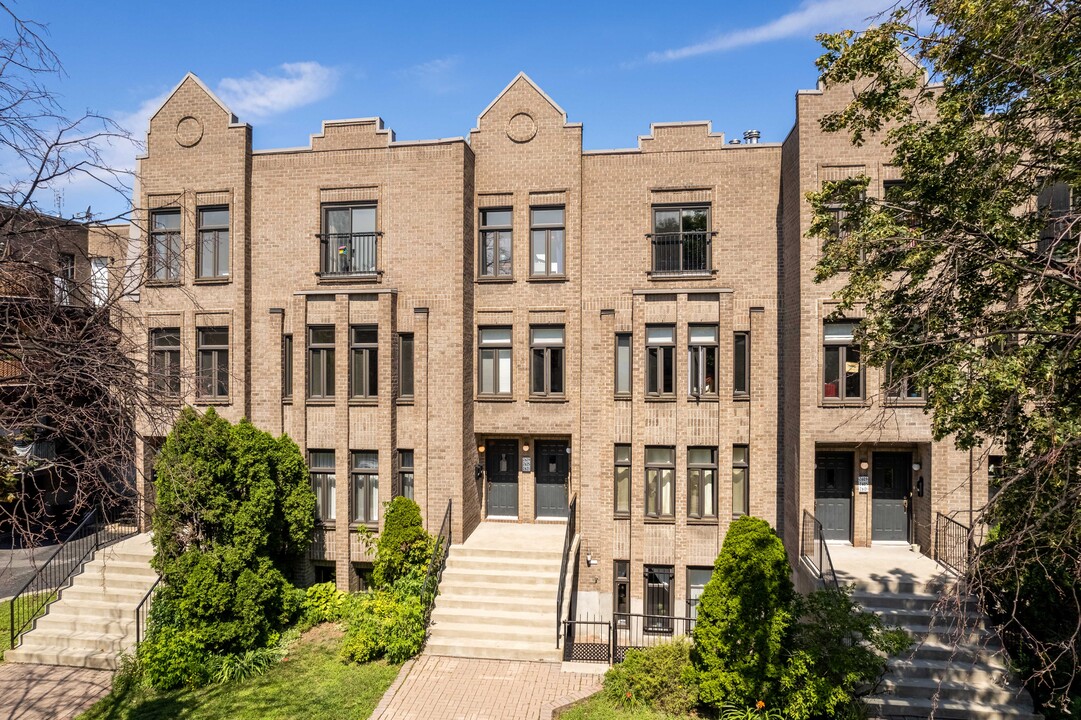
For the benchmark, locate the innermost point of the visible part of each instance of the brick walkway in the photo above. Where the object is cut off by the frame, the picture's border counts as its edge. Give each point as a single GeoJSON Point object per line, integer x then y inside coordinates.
{"type": "Point", "coordinates": [48, 692]}
{"type": "Point", "coordinates": [449, 688]}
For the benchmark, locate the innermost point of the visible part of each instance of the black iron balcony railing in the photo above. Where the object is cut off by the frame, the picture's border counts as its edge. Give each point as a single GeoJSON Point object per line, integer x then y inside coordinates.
{"type": "Point", "coordinates": [682, 253]}
{"type": "Point", "coordinates": [349, 254]}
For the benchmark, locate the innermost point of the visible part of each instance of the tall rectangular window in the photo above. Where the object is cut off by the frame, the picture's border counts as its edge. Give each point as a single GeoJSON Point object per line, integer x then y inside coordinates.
{"type": "Point", "coordinates": [660, 360]}
{"type": "Point", "coordinates": [623, 364]}
{"type": "Point", "coordinates": [405, 365]}
{"type": "Point", "coordinates": [681, 240]}
{"type": "Point", "coordinates": [701, 482]}
{"type": "Point", "coordinates": [496, 243]}
{"type": "Point", "coordinates": [621, 592]}
{"type": "Point", "coordinates": [287, 366]}
{"type": "Point", "coordinates": [65, 278]}
{"type": "Point", "coordinates": [321, 361]}
{"type": "Point", "coordinates": [660, 482]}
{"type": "Point", "coordinates": [546, 241]}
{"type": "Point", "coordinates": [697, 578]}
{"type": "Point", "coordinates": [165, 360]}
{"type": "Point", "coordinates": [405, 473]}
{"type": "Point", "coordinates": [622, 480]}
{"type": "Point", "coordinates": [349, 244]}
{"type": "Point", "coordinates": [741, 364]}
{"type": "Point", "coordinates": [165, 245]}
{"type": "Point", "coordinates": [213, 248]}
{"type": "Point", "coordinates": [843, 370]}
{"type": "Point", "coordinates": [364, 361]}
{"type": "Point", "coordinates": [99, 280]}
{"type": "Point", "coordinates": [658, 600]}
{"type": "Point", "coordinates": [741, 481]}
{"type": "Point", "coordinates": [495, 360]}
{"type": "Point", "coordinates": [212, 362]}
{"type": "Point", "coordinates": [365, 487]}
{"type": "Point", "coordinates": [546, 345]}
{"type": "Point", "coordinates": [702, 360]}
{"type": "Point", "coordinates": [321, 470]}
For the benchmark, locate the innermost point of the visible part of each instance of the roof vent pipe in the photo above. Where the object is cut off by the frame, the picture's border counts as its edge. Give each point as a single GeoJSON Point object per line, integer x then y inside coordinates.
{"type": "Point", "coordinates": [734, 141]}
{"type": "Point", "coordinates": [751, 137]}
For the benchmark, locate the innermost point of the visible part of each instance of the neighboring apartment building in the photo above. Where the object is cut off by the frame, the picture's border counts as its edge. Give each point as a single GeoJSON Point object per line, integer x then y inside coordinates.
{"type": "Point", "coordinates": [506, 322]}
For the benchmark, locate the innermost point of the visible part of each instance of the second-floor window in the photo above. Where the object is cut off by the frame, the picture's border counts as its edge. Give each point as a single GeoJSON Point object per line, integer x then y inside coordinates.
{"type": "Point", "coordinates": [321, 469]}
{"type": "Point", "coordinates": [99, 280]}
{"type": "Point", "coordinates": [349, 243]}
{"type": "Point", "coordinates": [660, 482]}
{"type": "Point", "coordinates": [495, 362]}
{"type": "Point", "coordinates": [682, 241]}
{"type": "Point", "coordinates": [660, 360]}
{"type": "Point", "coordinates": [546, 353]}
{"type": "Point", "coordinates": [365, 487]}
{"type": "Point", "coordinates": [546, 241]}
{"type": "Point", "coordinates": [496, 237]}
{"type": "Point", "coordinates": [843, 369]}
{"type": "Point", "coordinates": [65, 278]}
{"type": "Point", "coordinates": [900, 387]}
{"type": "Point", "coordinates": [213, 248]}
{"type": "Point", "coordinates": [212, 362]}
{"type": "Point", "coordinates": [165, 246]}
{"type": "Point", "coordinates": [702, 360]}
{"type": "Point", "coordinates": [701, 482]}
{"type": "Point", "coordinates": [165, 360]}
{"type": "Point", "coordinates": [321, 361]}
{"type": "Point", "coordinates": [364, 361]}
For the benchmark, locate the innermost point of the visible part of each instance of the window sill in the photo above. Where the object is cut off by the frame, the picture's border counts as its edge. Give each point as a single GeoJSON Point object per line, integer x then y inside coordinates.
{"type": "Point", "coordinates": [494, 398]}
{"type": "Point", "coordinates": [660, 398]}
{"type": "Point", "coordinates": [914, 402]}
{"type": "Point", "coordinates": [623, 398]}
{"type": "Point", "coordinates": [223, 280]}
{"type": "Point", "coordinates": [831, 403]}
{"type": "Point", "coordinates": [543, 399]}
{"type": "Point", "coordinates": [287, 401]}
{"type": "Point", "coordinates": [703, 399]}
{"type": "Point", "coordinates": [708, 522]}
{"type": "Point", "coordinates": [666, 520]}
{"type": "Point", "coordinates": [547, 278]}
{"type": "Point", "coordinates": [373, 526]}
{"type": "Point", "coordinates": [741, 398]}
{"type": "Point", "coordinates": [363, 402]}
{"type": "Point", "coordinates": [621, 516]}
{"type": "Point", "coordinates": [485, 279]}
{"type": "Point", "coordinates": [325, 525]}
{"type": "Point", "coordinates": [320, 402]}
{"type": "Point", "coordinates": [162, 283]}
{"type": "Point", "coordinates": [213, 401]}
{"type": "Point", "coordinates": [349, 278]}
{"type": "Point", "coordinates": [695, 275]}
{"type": "Point", "coordinates": [407, 401]}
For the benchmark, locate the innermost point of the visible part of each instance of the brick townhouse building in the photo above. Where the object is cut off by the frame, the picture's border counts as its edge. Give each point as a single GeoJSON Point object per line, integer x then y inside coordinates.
{"type": "Point", "coordinates": [506, 322]}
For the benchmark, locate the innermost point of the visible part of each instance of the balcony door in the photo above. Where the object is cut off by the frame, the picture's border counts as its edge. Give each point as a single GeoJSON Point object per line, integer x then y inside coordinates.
{"type": "Point", "coordinates": [501, 461]}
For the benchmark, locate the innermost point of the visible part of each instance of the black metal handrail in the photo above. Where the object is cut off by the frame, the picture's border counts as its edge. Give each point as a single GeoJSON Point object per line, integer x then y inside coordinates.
{"type": "Point", "coordinates": [344, 254]}
{"type": "Point", "coordinates": [94, 532]}
{"type": "Point", "coordinates": [568, 539]}
{"type": "Point", "coordinates": [142, 612]}
{"type": "Point", "coordinates": [682, 253]}
{"type": "Point", "coordinates": [815, 551]}
{"type": "Point", "coordinates": [953, 544]}
{"type": "Point", "coordinates": [430, 588]}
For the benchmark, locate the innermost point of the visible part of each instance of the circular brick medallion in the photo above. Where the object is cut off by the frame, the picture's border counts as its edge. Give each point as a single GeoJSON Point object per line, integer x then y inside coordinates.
{"type": "Point", "coordinates": [189, 131]}
{"type": "Point", "coordinates": [522, 128]}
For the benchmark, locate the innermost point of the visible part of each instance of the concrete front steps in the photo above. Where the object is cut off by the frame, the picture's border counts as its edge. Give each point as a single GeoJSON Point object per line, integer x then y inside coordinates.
{"type": "Point", "coordinates": [93, 621]}
{"type": "Point", "coordinates": [956, 668]}
{"type": "Point", "coordinates": [497, 598]}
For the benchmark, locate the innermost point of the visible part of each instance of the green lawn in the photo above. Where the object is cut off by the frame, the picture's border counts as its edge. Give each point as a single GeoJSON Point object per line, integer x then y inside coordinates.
{"type": "Point", "coordinates": [311, 683]}
{"type": "Point", "coordinates": [598, 708]}
{"type": "Point", "coordinates": [5, 623]}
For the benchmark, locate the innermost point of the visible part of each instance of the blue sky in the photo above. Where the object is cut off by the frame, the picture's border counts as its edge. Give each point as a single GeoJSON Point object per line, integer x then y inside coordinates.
{"type": "Point", "coordinates": [428, 69]}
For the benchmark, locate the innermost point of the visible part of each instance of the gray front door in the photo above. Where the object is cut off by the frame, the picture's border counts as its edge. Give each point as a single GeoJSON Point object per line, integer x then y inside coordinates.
{"type": "Point", "coordinates": [833, 494]}
{"type": "Point", "coordinates": [889, 488]}
{"type": "Point", "coordinates": [551, 472]}
{"type": "Point", "coordinates": [501, 459]}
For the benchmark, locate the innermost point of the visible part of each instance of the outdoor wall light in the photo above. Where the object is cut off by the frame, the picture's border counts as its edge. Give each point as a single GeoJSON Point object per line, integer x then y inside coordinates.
{"type": "Point", "coordinates": [525, 446]}
{"type": "Point", "coordinates": [916, 466]}
{"type": "Point", "coordinates": [480, 448]}
{"type": "Point", "coordinates": [863, 465]}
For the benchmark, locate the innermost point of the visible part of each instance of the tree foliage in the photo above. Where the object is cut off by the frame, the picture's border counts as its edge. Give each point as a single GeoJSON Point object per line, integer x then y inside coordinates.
{"type": "Point", "coordinates": [969, 275]}
{"type": "Point", "coordinates": [404, 547]}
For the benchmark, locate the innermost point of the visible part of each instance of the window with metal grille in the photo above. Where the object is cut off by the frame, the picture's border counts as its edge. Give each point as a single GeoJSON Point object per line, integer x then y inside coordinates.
{"type": "Point", "coordinates": [165, 360]}
{"type": "Point", "coordinates": [320, 361]}
{"type": "Point", "coordinates": [658, 600]}
{"type": "Point", "coordinates": [349, 244]}
{"type": "Point", "coordinates": [321, 470]}
{"type": "Point", "coordinates": [213, 247]}
{"type": "Point", "coordinates": [212, 362]}
{"type": "Point", "coordinates": [682, 240]}
{"type": "Point", "coordinates": [364, 361]}
{"type": "Point", "coordinates": [365, 487]}
{"type": "Point", "coordinates": [496, 252]}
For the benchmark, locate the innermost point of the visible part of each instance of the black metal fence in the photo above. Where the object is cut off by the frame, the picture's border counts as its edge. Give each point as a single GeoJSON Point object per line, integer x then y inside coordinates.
{"type": "Point", "coordinates": [953, 544]}
{"type": "Point", "coordinates": [142, 612]}
{"type": "Point", "coordinates": [349, 253]}
{"type": "Point", "coordinates": [680, 253]}
{"type": "Point", "coordinates": [593, 639]}
{"type": "Point", "coordinates": [430, 588]}
{"type": "Point", "coordinates": [568, 539]}
{"type": "Point", "coordinates": [815, 552]}
{"type": "Point", "coordinates": [97, 530]}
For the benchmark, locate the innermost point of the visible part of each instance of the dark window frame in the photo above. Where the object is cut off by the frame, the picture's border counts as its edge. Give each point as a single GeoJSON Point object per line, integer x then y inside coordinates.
{"type": "Point", "coordinates": [621, 603]}
{"type": "Point", "coordinates": [700, 383]}
{"type": "Point", "coordinates": [502, 236]}
{"type": "Point", "coordinates": [548, 351]}
{"type": "Point", "coordinates": [165, 361]}
{"type": "Point", "coordinates": [364, 488]}
{"type": "Point", "coordinates": [845, 346]}
{"type": "Point", "coordinates": [216, 233]}
{"type": "Point", "coordinates": [655, 483]}
{"type": "Point", "coordinates": [659, 356]}
{"type": "Point", "coordinates": [742, 467]}
{"type": "Point", "coordinates": [361, 258]}
{"type": "Point", "coordinates": [549, 238]}
{"type": "Point", "coordinates": [696, 485]}
{"type": "Point", "coordinates": [363, 363]}
{"type": "Point", "coordinates": [663, 242]}
{"type": "Point", "coordinates": [324, 484]}
{"type": "Point", "coordinates": [692, 602]}
{"type": "Point", "coordinates": [495, 348]}
{"type": "Point", "coordinates": [164, 250]}
{"type": "Point", "coordinates": [624, 340]}
{"type": "Point", "coordinates": [622, 466]}
{"type": "Point", "coordinates": [407, 473]}
{"type": "Point", "coordinates": [287, 366]}
{"type": "Point", "coordinates": [657, 598]}
{"type": "Point", "coordinates": [64, 280]}
{"type": "Point", "coordinates": [901, 390]}
{"type": "Point", "coordinates": [323, 355]}
{"type": "Point", "coordinates": [209, 355]}
{"type": "Point", "coordinates": [407, 365]}
{"type": "Point", "coordinates": [741, 386]}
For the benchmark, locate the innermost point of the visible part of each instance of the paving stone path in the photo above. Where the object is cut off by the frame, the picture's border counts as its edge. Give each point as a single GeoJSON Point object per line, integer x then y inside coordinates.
{"type": "Point", "coordinates": [433, 687]}
{"type": "Point", "coordinates": [49, 692]}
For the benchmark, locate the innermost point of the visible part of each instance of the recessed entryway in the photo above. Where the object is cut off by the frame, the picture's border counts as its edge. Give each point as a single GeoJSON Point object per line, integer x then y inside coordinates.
{"type": "Point", "coordinates": [501, 472]}
{"type": "Point", "coordinates": [890, 474]}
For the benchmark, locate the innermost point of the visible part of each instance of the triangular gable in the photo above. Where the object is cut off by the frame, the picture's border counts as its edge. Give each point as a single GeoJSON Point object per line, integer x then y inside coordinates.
{"type": "Point", "coordinates": [523, 76]}
{"type": "Point", "coordinates": [192, 76]}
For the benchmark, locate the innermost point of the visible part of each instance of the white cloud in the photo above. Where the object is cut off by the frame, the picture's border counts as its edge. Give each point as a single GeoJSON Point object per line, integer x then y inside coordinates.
{"type": "Point", "coordinates": [259, 96]}
{"type": "Point", "coordinates": [810, 18]}
{"type": "Point", "coordinates": [438, 76]}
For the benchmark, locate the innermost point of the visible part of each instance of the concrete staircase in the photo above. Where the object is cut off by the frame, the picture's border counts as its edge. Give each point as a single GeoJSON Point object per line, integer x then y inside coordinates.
{"type": "Point", "coordinates": [93, 621]}
{"type": "Point", "coordinates": [497, 598]}
{"type": "Point", "coordinates": [956, 668]}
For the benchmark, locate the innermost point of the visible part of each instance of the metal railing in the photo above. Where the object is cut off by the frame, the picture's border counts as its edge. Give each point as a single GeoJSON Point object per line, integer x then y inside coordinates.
{"type": "Point", "coordinates": [682, 253]}
{"type": "Point", "coordinates": [430, 588]}
{"type": "Point", "coordinates": [953, 544]}
{"type": "Point", "coordinates": [344, 254]}
{"type": "Point", "coordinates": [97, 530]}
{"type": "Point", "coordinates": [142, 612]}
{"type": "Point", "coordinates": [593, 639]}
{"type": "Point", "coordinates": [815, 551]}
{"type": "Point", "coordinates": [568, 540]}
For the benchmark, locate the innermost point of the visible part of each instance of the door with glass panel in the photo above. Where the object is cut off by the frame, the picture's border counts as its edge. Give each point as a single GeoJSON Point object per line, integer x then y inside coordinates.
{"type": "Point", "coordinates": [833, 493]}
{"type": "Point", "coordinates": [890, 476]}
{"type": "Point", "coordinates": [501, 459]}
{"type": "Point", "coordinates": [552, 473]}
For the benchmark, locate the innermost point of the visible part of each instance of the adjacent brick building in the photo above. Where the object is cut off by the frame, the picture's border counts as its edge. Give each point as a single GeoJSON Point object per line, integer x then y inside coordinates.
{"type": "Point", "coordinates": [505, 321]}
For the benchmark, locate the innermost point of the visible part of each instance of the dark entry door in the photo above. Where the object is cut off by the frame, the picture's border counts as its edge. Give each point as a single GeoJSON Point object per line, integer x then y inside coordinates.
{"type": "Point", "coordinates": [501, 459]}
{"type": "Point", "coordinates": [833, 494]}
{"type": "Point", "coordinates": [551, 473]}
{"type": "Point", "coordinates": [889, 488]}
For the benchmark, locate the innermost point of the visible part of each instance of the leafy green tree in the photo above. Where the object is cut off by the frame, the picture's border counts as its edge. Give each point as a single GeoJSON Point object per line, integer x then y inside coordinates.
{"type": "Point", "coordinates": [969, 277]}
{"type": "Point", "coordinates": [744, 618]}
{"type": "Point", "coordinates": [234, 510]}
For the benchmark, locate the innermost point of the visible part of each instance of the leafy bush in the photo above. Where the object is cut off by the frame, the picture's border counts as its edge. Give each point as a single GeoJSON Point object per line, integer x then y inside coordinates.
{"type": "Point", "coordinates": [384, 624]}
{"type": "Point", "coordinates": [173, 658]}
{"type": "Point", "coordinates": [403, 548]}
{"type": "Point", "coordinates": [660, 677]}
{"type": "Point", "coordinates": [324, 602]}
{"type": "Point", "coordinates": [745, 618]}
